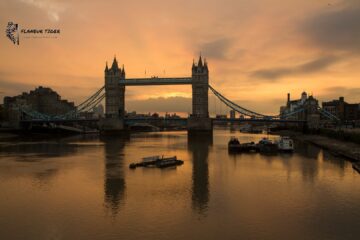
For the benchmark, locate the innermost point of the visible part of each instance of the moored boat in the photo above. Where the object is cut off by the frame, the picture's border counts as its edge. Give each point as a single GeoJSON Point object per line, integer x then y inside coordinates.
{"type": "Point", "coordinates": [265, 145]}
{"type": "Point", "coordinates": [249, 147]}
{"type": "Point", "coordinates": [234, 145]}
{"type": "Point", "coordinates": [285, 144]}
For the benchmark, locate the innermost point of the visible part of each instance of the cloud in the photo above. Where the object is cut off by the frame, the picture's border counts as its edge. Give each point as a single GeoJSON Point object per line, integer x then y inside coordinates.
{"type": "Point", "coordinates": [51, 7]}
{"type": "Point", "coordinates": [217, 49]}
{"type": "Point", "coordinates": [351, 94]}
{"type": "Point", "coordinates": [335, 30]}
{"type": "Point", "coordinates": [305, 68]}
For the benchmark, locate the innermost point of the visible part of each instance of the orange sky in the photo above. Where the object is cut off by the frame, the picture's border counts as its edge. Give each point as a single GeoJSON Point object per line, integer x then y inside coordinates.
{"type": "Point", "coordinates": [257, 50]}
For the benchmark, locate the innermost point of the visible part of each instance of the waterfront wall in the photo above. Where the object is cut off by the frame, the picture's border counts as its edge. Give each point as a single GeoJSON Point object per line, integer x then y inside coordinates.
{"type": "Point", "coordinates": [349, 135]}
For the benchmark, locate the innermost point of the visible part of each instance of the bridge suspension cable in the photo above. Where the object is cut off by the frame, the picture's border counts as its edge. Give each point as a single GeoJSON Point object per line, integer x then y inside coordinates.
{"type": "Point", "coordinates": [250, 113]}
{"type": "Point", "coordinates": [238, 108]}
{"type": "Point", "coordinates": [328, 114]}
{"type": "Point", "coordinates": [86, 105]}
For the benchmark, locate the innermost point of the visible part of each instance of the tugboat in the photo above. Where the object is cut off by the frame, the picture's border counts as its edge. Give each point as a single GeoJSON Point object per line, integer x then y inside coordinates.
{"type": "Point", "coordinates": [265, 145]}
{"type": "Point", "coordinates": [285, 144]}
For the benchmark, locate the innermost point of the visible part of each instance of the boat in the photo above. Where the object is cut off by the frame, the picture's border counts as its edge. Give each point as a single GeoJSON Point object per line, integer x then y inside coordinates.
{"type": "Point", "coordinates": [234, 145]}
{"type": "Point", "coordinates": [249, 147]}
{"type": "Point", "coordinates": [285, 144]}
{"type": "Point", "coordinates": [157, 161]}
{"type": "Point", "coordinates": [265, 145]}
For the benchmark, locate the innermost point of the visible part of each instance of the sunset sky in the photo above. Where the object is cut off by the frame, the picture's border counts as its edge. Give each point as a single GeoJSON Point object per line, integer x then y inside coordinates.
{"type": "Point", "coordinates": [257, 51]}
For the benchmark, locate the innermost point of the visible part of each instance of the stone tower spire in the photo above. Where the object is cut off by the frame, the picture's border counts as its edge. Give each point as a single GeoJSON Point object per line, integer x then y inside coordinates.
{"type": "Point", "coordinates": [123, 72]}
{"type": "Point", "coordinates": [106, 68]}
{"type": "Point", "coordinates": [115, 65]}
{"type": "Point", "coordinates": [200, 63]}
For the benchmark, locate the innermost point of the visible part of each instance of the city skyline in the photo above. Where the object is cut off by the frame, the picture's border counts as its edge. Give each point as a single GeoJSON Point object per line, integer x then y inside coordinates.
{"type": "Point", "coordinates": [257, 52]}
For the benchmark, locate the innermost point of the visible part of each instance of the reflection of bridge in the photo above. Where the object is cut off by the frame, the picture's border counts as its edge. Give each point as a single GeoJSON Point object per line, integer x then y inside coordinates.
{"type": "Point", "coordinates": [199, 120]}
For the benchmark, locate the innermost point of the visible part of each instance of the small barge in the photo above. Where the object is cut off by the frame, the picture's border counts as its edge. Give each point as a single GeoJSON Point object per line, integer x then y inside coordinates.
{"type": "Point", "coordinates": [157, 161]}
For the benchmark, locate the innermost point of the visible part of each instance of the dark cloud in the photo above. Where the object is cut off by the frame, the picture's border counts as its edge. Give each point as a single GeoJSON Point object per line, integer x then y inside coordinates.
{"type": "Point", "coordinates": [305, 68]}
{"type": "Point", "coordinates": [336, 30]}
{"type": "Point", "coordinates": [217, 49]}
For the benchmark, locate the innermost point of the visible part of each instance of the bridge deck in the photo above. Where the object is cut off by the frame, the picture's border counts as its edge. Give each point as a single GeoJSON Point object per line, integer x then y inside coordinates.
{"type": "Point", "coordinates": [156, 81]}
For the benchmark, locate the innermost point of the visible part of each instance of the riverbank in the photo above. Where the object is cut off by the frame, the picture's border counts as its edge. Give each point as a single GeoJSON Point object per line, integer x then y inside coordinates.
{"type": "Point", "coordinates": [348, 150]}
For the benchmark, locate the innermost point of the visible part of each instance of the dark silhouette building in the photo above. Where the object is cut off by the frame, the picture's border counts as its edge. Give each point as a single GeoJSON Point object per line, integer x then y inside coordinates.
{"type": "Point", "coordinates": [344, 111]}
{"type": "Point", "coordinates": [42, 100]}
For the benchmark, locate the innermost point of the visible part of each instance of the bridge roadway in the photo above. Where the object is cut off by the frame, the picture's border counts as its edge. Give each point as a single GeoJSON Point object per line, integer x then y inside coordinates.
{"type": "Point", "coordinates": [156, 81]}
{"type": "Point", "coordinates": [214, 120]}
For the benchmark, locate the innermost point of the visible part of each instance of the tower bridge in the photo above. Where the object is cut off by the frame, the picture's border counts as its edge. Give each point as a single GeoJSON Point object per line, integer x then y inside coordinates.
{"type": "Point", "coordinates": [116, 83]}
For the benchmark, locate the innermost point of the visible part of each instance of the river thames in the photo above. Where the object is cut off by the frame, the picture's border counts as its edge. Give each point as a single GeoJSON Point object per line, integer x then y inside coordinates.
{"type": "Point", "coordinates": [82, 188]}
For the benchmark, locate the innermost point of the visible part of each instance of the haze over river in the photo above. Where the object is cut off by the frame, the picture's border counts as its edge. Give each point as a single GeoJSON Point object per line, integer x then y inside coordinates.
{"type": "Point", "coordinates": [82, 188]}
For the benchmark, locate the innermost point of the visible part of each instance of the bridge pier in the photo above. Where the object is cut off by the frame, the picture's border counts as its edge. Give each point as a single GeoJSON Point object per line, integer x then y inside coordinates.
{"type": "Point", "coordinates": [111, 125]}
{"type": "Point", "coordinates": [196, 124]}
{"type": "Point", "coordinates": [199, 120]}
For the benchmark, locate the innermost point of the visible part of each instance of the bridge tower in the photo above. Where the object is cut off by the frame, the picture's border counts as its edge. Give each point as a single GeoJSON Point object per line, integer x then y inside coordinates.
{"type": "Point", "coordinates": [199, 119]}
{"type": "Point", "coordinates": [114, 98]}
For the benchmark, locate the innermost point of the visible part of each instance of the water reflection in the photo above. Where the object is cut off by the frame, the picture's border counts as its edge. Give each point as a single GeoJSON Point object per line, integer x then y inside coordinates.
{"type": "Point", "coordinates": [307, 150]}
{"type": "Point", "coordinates": [199, 146]}
{"type": "Point", "coordinates": [114, 180]}
{"type": "Point", "coordinates": [310, 169]}
{"type": "Point", "coordinates": [36, 151]}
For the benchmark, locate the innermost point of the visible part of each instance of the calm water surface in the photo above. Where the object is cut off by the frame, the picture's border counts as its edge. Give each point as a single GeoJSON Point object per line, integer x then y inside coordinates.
{"type": "Point", "coordinates": [82, 188]}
